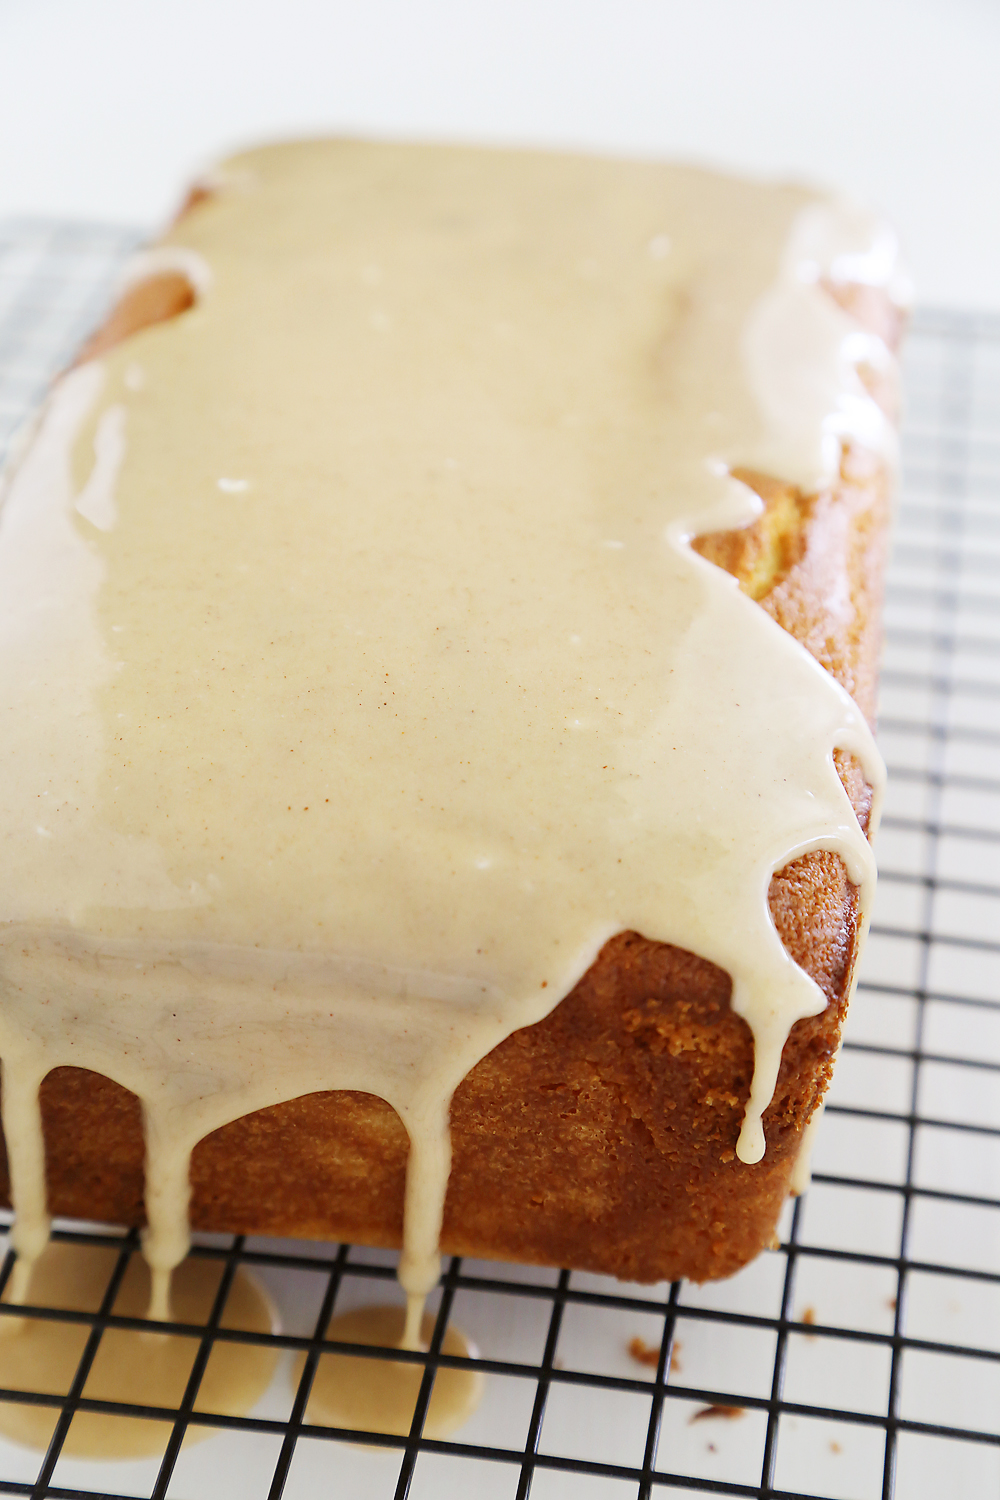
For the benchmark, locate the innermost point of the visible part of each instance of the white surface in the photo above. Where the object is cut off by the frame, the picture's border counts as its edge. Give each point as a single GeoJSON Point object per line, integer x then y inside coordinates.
{"type": "Point", "coordinates": [107, 108]}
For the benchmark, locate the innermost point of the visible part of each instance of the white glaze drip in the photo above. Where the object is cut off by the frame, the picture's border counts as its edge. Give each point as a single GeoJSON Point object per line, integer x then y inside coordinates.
{"type": "Point", "coordinates": [802, 1171]}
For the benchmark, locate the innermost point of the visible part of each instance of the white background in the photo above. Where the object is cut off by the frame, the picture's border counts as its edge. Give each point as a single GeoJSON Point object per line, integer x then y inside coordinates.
{"type": "Point", "coordinates": [108, 106]}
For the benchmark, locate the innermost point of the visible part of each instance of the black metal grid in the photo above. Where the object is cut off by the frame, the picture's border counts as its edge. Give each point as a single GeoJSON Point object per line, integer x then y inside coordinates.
{"type": "Point", "coordinates": [864, 1353]}
{"type": "Point", "coordinates": [55, 282]}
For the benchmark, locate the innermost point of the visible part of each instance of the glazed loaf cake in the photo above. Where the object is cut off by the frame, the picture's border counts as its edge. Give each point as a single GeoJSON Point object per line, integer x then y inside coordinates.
{"type": "Point", "coordinates": [696, 372]}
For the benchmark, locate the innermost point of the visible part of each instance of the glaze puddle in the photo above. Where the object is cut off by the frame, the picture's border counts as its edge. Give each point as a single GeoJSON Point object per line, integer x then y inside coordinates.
{"type": "Point", "coordinates": [378, 1395]}
{"type": "Point", "coordinates": [133, 1366]}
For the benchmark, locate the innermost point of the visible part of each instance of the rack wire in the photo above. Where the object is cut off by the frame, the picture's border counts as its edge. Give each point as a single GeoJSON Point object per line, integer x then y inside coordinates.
{"type": "Point", "coordinates": [858, 1361]}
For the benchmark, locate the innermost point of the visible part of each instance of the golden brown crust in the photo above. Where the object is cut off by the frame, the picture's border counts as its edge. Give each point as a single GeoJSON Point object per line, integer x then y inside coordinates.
{"type": "Point", "coordinates": [604, 1136]}
{"type": "Point", "coordinates": [815, 564]}
{"type": "Point", "coordinates": [152, 300]}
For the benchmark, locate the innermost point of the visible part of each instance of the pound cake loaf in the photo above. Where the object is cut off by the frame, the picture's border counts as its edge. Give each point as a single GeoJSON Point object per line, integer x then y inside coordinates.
{"type": "Point", "coordinates": [441, 623]}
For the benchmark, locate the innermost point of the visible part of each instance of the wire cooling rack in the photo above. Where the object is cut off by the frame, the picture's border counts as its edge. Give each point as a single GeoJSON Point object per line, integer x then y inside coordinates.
{"type": "Point", "coordinates": [860, 1360]}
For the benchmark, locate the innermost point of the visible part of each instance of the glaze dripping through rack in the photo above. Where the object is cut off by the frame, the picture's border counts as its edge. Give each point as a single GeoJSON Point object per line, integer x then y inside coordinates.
{"type": "Point", "coordinates": [858, 1361]}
